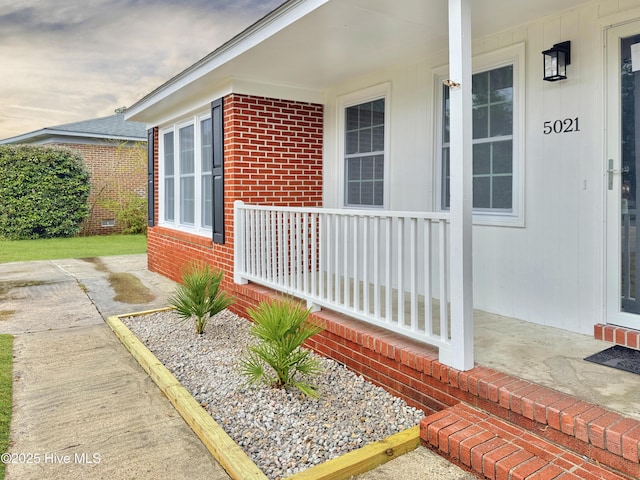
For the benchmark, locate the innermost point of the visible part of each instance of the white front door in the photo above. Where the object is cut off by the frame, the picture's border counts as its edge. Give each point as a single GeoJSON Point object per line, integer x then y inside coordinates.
{"type": "Point", "coordinates": [622, 177]}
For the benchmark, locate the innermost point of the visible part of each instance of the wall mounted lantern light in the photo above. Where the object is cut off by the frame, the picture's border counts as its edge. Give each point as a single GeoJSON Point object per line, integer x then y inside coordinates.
{"type": "Point", "coordinates": [555, 62]}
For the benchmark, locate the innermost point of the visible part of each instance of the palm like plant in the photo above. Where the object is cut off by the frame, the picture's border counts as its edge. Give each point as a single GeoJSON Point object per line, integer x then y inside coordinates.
{"type": "Point", "coordinates": [281, 327]}
{"type": "Point", "coordinates": [199, 296]}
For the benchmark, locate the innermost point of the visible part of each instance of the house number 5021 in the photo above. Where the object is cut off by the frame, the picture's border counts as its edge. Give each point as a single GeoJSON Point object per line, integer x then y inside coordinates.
{"type": "Point", "coordinates": [566, 125]}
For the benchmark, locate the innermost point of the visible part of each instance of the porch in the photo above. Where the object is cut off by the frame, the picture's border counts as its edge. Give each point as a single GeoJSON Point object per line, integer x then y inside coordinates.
{"type": "Point", "coordinates": [355, 263]}
{"type": "Point", "coordinates": [530, 387]}
{"type": "Point", "coordinates": [530, 375]}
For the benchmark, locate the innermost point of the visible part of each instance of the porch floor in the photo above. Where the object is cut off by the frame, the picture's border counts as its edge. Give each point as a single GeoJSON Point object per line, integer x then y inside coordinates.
{"type": "Point", "coordinates": [553, 358]}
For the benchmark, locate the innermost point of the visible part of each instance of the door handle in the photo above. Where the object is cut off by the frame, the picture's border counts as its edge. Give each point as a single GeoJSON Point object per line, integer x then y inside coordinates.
{"type": "Point", "coordinates": [610, 172]}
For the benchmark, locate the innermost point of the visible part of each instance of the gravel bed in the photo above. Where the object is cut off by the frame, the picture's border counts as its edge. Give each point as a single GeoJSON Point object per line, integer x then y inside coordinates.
{"type": "Point", "coordinates": [282, 431]}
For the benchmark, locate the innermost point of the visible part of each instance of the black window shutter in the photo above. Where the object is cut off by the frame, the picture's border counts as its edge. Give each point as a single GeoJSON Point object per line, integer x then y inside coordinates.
{"type": "Point", "coordinates": [218, 171]}
{"type": "Point", "coordinates": [150, 181]}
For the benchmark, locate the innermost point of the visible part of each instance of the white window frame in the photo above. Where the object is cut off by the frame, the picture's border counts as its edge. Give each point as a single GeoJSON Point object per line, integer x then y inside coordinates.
{"type": "Point", "coordinates": [512, 55]}
{"type": "Point", "coordinates": [197, 227]}
{"type": "Point", "coordinates": [376, 92]}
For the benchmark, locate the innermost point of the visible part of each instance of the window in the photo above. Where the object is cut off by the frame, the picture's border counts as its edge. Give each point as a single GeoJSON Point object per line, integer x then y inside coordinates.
{"type": "Point", "coordinates": [187, 176]}
{"type": "Point", "coordinates": [186, 181]}
{"type": "Point", "coordinates": [169, 176]}
{"type": "Point", "coordinates": [363, 146]}
{"type": "Point", "coordinates": [492, 93]}
{"type": "Point", "coordinates": [497, 155]}
{"type": "Point", "coordinates": [206, 156]}
{"type": "Point", "coordinates": [364, 153]}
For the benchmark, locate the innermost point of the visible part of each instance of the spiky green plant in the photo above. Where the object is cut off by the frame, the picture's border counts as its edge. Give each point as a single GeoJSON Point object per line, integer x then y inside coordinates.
{"type": "Point", "coordinates": [199, 296]}
{"type": "Point", "coordinates": [281, 327]}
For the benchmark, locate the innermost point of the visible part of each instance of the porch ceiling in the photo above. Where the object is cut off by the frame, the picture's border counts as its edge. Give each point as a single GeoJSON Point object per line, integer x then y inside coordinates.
{"type": "Point", "coordinates": [336, 40]}
{"type": "Point", "coordinates": [348, 38]}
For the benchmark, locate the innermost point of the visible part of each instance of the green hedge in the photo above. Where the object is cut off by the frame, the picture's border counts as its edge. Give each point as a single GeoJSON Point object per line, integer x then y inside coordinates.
{"type": "Point", "coordinates": [44, 192]}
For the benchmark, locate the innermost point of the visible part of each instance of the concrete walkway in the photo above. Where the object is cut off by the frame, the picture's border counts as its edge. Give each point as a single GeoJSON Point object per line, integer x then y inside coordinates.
{"type": "Point", "coordinates": [83, 408]}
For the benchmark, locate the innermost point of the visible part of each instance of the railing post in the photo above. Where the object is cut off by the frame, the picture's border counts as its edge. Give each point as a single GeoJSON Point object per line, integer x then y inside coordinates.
{"type": "Point", "coordinates": [239, 232]}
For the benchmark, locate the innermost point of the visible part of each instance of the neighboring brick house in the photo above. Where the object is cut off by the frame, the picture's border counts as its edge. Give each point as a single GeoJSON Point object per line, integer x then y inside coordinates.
{"type": "Point", "coordinates": [114, 153]}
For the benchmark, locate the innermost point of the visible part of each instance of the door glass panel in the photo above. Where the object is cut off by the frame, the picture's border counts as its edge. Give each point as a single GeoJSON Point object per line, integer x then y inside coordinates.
{"type": "Point", "coordinates": [630, 121]}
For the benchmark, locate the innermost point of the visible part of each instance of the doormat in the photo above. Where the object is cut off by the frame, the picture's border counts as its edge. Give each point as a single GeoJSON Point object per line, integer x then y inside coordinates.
{"type": "Point", "coordinates": [622, 358]}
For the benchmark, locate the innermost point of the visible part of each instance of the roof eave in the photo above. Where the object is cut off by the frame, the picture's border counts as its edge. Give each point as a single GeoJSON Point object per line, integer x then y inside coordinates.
{"type": "Point", "coordinates": [25, 136]}
{"type": "Point", "coordinates": [101, 136]}
{"type": "Point", "coordinates": [44, 133]}
{"type": "Point", "coordinates": [280, 18]}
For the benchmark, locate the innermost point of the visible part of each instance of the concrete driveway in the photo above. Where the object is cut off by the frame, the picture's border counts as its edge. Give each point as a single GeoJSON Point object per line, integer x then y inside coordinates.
{"type": "Point", "coordinates": [83, 408]}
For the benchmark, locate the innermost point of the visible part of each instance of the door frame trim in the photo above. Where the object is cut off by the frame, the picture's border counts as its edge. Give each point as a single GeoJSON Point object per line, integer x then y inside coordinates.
{"type": "Point", "coordinates": [612, 311]}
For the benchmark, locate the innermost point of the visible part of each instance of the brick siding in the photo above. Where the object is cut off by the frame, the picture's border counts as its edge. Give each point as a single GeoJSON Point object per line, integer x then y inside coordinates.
{"type": "Point", "coordinates": [116, 171]}
{"type": "Point", "coordinates": [272, 156]}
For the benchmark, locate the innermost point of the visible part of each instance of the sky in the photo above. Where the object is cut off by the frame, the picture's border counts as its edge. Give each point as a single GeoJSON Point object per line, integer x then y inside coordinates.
{"type": "Point", "coordinates": [64, 61]}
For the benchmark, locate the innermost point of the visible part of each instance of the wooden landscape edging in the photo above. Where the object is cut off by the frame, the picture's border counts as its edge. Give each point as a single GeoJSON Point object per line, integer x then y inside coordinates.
{"type": "Point", "coordinates": [230, 456]}
{"type": "Point", "coordinates": [363, 459]}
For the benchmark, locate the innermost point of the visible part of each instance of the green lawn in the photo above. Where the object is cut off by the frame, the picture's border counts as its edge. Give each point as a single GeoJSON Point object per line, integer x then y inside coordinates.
{"type": "Point", "coordinates": [74, 247]}
{"type": "Point", "coordinates": [6, 385]}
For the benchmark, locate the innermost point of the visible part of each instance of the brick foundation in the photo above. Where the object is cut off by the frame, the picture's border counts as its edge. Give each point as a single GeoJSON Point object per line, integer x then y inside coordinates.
{"type": "Point", "coordinates": [411, 370]}
{"type": "Point", "coordinates": [618, 335]}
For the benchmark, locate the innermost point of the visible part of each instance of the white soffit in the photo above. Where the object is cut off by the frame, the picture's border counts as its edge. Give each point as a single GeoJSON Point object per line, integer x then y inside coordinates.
{"type": "Point", "coordinates": [313, 44]}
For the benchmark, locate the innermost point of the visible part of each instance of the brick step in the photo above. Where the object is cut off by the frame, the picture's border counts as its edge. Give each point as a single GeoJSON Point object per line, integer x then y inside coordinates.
{"type": "Point", "coordinates": [499, 450]}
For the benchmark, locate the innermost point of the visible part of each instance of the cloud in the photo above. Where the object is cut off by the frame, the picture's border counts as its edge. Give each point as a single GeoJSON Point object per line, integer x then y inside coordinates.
{"type": "Point", "coordinates": [36, 109]}
{"type": "Point", "coordinates": [62, 63]}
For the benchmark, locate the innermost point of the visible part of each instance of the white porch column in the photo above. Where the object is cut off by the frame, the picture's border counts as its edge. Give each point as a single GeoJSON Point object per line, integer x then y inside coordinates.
{"type": "Point", "coordinates": [460, 131]}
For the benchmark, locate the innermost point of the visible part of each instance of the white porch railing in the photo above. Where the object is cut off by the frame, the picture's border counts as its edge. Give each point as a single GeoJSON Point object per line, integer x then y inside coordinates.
{"type": "Point", "coordinates": [386, 268]}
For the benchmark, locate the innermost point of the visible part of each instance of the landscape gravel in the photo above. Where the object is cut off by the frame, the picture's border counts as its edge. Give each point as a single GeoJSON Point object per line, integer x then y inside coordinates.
{"type": "Point", "coordinates": [282, 431]}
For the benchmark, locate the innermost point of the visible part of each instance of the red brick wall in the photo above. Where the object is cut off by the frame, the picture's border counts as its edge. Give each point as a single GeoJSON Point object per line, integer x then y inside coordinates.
{"type": "Point", "coordinates": [116, 171]}
{"type": "Point", "coordinates": [617, 335]}
{"type": "Point", "coordinates": [273, 151]}
{"type": "Point", "coordinates": [272, 156]}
